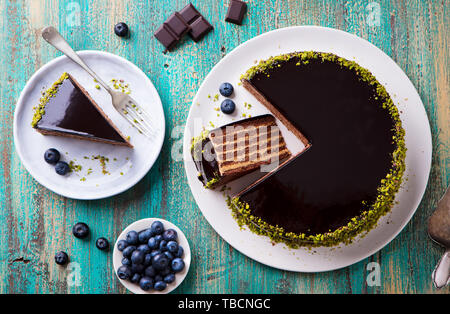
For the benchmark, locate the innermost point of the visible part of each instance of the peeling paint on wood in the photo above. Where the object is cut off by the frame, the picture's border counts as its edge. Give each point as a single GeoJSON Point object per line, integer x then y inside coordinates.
{"type": "Point", "coordinates": [36, 223]}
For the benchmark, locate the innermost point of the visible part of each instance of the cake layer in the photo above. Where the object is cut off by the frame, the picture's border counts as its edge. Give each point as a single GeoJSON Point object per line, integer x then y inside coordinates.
{"type": "Point", "coordinates": [238, 148]}
{"type": "Point", "coordinates": [356, 161]}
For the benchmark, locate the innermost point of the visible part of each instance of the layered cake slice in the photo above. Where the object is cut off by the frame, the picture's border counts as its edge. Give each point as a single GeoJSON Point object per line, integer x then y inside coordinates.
{"type": "Point", "coordinates": [233, 150]}
{"type": "Point", "coordinates": [66, 109]}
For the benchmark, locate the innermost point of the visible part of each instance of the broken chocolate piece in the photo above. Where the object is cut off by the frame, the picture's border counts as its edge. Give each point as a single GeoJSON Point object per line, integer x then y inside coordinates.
{"type": "Point", "coordinates": [199, 28]}
{"type": "Point", "coordinates": [236, 12]}
{"type": "Point", "coordinates": [189, 13]}
{"type": "Point", "coordinates": [166, 36]}
{"type": "Point", "coordinates": [177, 24]}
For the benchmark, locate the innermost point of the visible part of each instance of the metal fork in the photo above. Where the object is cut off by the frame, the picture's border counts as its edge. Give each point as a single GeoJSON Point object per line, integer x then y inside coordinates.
{"type": "Point", "coordinates": [123, 103]}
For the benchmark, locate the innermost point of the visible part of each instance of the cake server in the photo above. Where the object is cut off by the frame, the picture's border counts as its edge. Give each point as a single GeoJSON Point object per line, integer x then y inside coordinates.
{"type": "Point", "coordinates": [439, 231]}
{"type": "Point", "coordinates": [123, 103]}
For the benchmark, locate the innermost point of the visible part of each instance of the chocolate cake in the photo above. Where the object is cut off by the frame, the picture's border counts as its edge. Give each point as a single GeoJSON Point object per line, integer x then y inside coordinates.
{"type": "Point", "coordinates": [348, 179]}
{"type": "Point", "coordinates": [235, 149]}
{"type": "Point", "coordinates": [66, 109]}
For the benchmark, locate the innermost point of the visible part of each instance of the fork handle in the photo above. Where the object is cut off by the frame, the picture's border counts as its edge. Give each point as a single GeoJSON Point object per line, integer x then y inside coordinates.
{"type": "Point", "coordinates": [54, 38]}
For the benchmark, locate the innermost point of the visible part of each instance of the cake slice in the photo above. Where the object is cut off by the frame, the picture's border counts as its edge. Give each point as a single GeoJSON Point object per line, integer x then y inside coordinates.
{"type": "Point", "coordinates": [66, 109]}
{"type": "Point", "coordinates": [233, 150]}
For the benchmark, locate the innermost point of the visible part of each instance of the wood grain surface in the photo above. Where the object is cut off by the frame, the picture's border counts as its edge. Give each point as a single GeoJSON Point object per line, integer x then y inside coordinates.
{"type": "Point", "coordinates": [35, 223]}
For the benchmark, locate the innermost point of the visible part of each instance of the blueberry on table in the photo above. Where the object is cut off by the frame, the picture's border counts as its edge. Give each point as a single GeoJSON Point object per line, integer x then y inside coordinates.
{"type": "Point", "coordinates": [52, 156]}
{"type": "Point", "coordinates": [179, 252]}
{"type": "Point", "coordinates": [144, 248]}
{"type": "Point", "coordinates": [61, 258]}
{"type": "Point", "coordinates": [124, 272]}
{"type": "Point", "coordinates": [137, 257]}
{"type": "Point", "coordinates": [62, 168]}
{"type": "Point", "coordinates": [135, 278]}
{"type": "Point", "coordinates": [121, 29]}
{"type": "Point", "coordinates": [150, 271]}
{"type": "Point", "coordinates": [226, 89]}
{"type": "Point", "coordinates": [102, 244]}
{"type": "Point", "coordinates": [132, 238]}
{"type": "Point", "coordinates": [169, 278]}
{"type": "Point", "coordinates": [128, 251]}
{"type": "Point", "coordinates": [144, 235]}
{"type": "Point", "coordinates": [157, 227]}
{"type": "Point", "coordinates": [227, 106]}
{"type": "Point", "coordinates": [160, 261]}
{"type": "Point", "coordinates": [177, 265]}
{"type": "Point", "coordinates": [169, 235]}
{"type": "Point", "coordinates": [80, 230]}
{"type": "Point", "coordinates": [121, 245]}
{"type": "Point", "coordinates": [126, 261]}
{"type": "Point", "coordinates": [160, 285]}
{"type": "Point", "coordinates": [172, 246]}
{"type": "Point", "coordinates": [146, 283]}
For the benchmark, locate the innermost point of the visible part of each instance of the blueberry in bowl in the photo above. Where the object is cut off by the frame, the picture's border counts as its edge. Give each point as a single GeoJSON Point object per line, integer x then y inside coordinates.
{"type": "Point", "coordinates": [228, 106]}
{"type": "Point", "coordinates": [62, 168]}
{"type": "Point", "coordinates": [226, 89]}
{"type": "Point", "coordinates": [151, 256]}
{"type": "Point", "coordinates": [52, 156]}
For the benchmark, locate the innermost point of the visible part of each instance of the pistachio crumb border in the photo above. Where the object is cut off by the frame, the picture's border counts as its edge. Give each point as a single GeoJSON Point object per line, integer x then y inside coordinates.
{"type": "Point", "coordinates": [387, 189]}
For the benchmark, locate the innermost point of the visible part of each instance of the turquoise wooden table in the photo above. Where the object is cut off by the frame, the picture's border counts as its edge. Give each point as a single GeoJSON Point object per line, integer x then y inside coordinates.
{"type": "Point", "coordinates": [35, 223]}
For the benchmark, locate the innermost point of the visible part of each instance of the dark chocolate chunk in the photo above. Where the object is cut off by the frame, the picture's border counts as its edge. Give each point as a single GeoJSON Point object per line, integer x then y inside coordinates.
{"type": "Point", "coordinates": [166, 37]}
{"type": "Point", "coordinates": [236, 12]}
{"type": "Point", "coordinates": [199, 28]}
{"type": "Point", "coordinates": [177, 24]}
{"type": "Point", "coordinates": [189, 13]}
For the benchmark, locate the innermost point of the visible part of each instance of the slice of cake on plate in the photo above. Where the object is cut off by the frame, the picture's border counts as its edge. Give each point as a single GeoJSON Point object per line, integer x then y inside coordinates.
{"type": "Point", "coordinates": [66, 109]}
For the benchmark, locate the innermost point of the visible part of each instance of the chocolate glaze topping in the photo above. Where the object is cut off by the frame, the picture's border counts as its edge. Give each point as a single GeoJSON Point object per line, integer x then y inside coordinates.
{"type": "Point", "coordinates": [352, 146]}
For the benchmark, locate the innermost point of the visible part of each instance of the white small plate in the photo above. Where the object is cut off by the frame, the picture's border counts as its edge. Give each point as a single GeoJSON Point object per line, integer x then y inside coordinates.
{"type": "Point", "coordinates": [145, 224]}
{"type": "Point", "coordinates": [126, 166]}
{"type": "Point", "coordinates": [304, 38]}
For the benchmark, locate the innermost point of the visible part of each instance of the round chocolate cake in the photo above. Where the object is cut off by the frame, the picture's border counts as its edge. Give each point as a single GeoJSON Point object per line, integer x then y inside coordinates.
{"type": "Point", "coordinates": [349, 176]}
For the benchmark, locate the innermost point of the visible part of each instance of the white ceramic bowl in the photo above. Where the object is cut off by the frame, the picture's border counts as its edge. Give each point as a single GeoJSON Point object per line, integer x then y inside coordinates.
{"type": "Point", "coordinates": [139, 226]}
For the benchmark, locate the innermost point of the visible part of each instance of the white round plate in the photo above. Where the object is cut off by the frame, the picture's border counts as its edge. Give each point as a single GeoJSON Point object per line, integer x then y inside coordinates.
{"type": "Point", "coordinates": [126, 166]}
{"type": "Point", "coordinates": [404, 95]}
{"type": "Point", "coordinates": [145, 224]}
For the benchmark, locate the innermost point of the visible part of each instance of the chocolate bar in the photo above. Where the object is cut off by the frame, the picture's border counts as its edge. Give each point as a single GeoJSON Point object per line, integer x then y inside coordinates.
{"type": "Point", "coordinates": [177, 24]}
{"type": "Point", "coordinates": [236, 12]}
{"type": "Point", "coordinates": [166, 36]}
{"type": "Point", "coordinates": [199, 28]}
{"type": "Point", "coordinates": [189, 13]}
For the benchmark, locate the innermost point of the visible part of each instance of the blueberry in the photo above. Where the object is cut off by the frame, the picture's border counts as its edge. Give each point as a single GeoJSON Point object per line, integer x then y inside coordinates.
{"type": "Point", "coordinates": [121, 29]}
{"type": "Point", "coordinates": [179, 252]}
{"type": "Point", "coordinates": [147, 260]}
{"type": "Point", "coordinates": [160, 261]}
{"type": "Point", "coordinates": [146, 283]}
{"type": "Point", "coordinates": [137, 268]}
{"type": "Point", "coordinates": [137, 257]}
{"type": "Point", "coordinates": [124, 272]}
{"type": "Point", "coordinates": [102, 244]}
{"type": "Point", "coordinates": [128, 251]}
{"type": "Point", "coordinates": [170, 235]}
{"type": "Point", "coordinates": [80, 230]}
{"type": "Point", "coordinates": [177, 265]}
{"type": "Point", "coordinates": [160, 285]}
{"type": "Point", "coordinates": [153, 243]}
{"type": "Point", "coordinates": [144, 235]}
{"type": "Point", "coordinates": [172, 246]}
{"type": "Point", "coordinates": [154, 253]}
{"type": "Point", "coordinates": [226, 89]}
{"type": "Point", "coordinates": [169, 255]}
{"type": "Point", "coordinates": [51, 156]}
{"type": "Point", "coordinates": [164, 272]}
{"type": "Point", "coordinates": [158, 238]}
{"type": "Point", "coordinates": [227, 106]}
{"type": "Point", "coordinates": [157, 227]}
{"type": "Point", "coordinates": [135, 278]}
{"type": "Point", "coordinates": [132, 238]}
{"type": "Point", "coordinates": [169, 278]}
{"type": "Point", "coordinates": [163, 245]}
{"type": "Point", "coordinates": [150, 271]}
{"type": "Point", "coordinates": [158, 278]}
{"type": "Point", "coordinates": [126, 261]}
{"type": "Point", "coordinates": [144, 248]}
{"type": "Point", "coordinates": [62, 168]}
{"type": "Point", "coordinates": [121, 245]}
{"type": "Point", "coordinates": [61, 258]}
